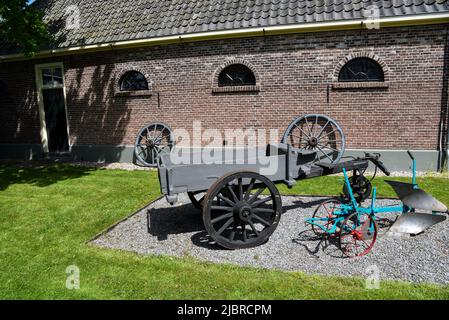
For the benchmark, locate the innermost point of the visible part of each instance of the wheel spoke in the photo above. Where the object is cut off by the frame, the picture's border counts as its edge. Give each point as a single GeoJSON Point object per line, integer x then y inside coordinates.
{"type": "Point", "coordinates": [143, 137]}
{"type": "Point", "coordinates": [259, 202]}
{"type": "Point", "coordinates": [232, 193]}
{"type": "Point", "coordinates": [229, 202]}
{"type": "Point", "coordinates": [218, 208]}
{"type": "Point", "coordinates": [263, 210]}
{"type": "Point", "coordinates": [326, 147]}
{"type": "Point", "coordinates": [159, 149]}
{"type": "Point", "coordinates": [322, 129]}
{"type": "Point", "coordinates": [308, 127]}
{"type": "Point", "coordinates": [142, 150]}
{"type": "Point", "coordinates": [244, 234]}
{"type": "Point", "coordinates": [251, 224]}
{"type": "Point", "coordinates": [240, 188]}
{"type": "Point", "coordinates": [154, 154]}
{"type": "Point", "coordinates": [154, 132]}
{"type": "Point", "coordinates": [308, 137]}
{"type": "Point", "coordinates": [335, 130]}
{"type": "Point", "coordinates": [254, 196]}
{"type": "Point", "coordinates": [220, 218]}
{"type": "Point", "coordinates": [325, 154]}
{"type": "Point", "coordinates": [265, 222]}
{"type": "Point", "coordinates": [162, 137]}
{"type": "Point", "coordinates": [225, 226]}
{"type": "Point", "coordinates": [249, 189]}
{"type": "Point", "coordinates": [232, 235]}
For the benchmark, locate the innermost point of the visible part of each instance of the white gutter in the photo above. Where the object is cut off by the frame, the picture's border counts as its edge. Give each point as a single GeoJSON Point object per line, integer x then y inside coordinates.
{"type": "Point", "coordinates": [420, 19]}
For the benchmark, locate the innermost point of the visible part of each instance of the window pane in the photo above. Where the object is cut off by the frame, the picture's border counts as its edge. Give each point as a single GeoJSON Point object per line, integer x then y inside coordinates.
{"type": "Point", "coordinates": [47, 76]}
{"type": "Point", "coordinates": [133, 81]}
{"type": "Point", "coordinates": [361, 70]}
{"type": "Point", "coordinates": [236, 75]}
{"type": "Point", "coordinates": [57, 76]}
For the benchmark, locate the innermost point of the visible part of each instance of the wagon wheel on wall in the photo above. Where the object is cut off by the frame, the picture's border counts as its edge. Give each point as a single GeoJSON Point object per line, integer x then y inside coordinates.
{"type": "Point", "coordinates": [242, 210]}
{"type": "Point", "coordinates": [152, 141]}
{"type": "Point", "coordinates": [318, 133]}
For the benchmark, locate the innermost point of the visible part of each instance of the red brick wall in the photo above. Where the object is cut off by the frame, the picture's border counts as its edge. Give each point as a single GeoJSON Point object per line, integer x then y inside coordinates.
{"type": "Point", "coordinates": [295, 75]}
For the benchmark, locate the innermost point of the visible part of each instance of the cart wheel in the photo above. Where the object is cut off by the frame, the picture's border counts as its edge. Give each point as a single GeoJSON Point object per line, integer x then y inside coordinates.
{"type": "Point", "coordinates": [319, 133]}
{"type": "Point", "coordinates": [197, 199]}
{"type": "Point", "coordinates": [152, 141]}
{"type": "Point", "coordinates": [361, 188]}
{"type": "Point", "coordinates": [358, 234]}
{"type": "Point", "coordinates": [325, 211]}
{"type": "Point", "coordinates": [242, 210]}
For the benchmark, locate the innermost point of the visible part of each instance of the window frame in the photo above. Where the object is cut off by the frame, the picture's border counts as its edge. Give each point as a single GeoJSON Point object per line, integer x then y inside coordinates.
{"type": "Point", "coordinates": [244, 67]}
{"type": "Point", "coordinates": [372, 61]}
{"type": "Point", "coordinates": [136, 91]}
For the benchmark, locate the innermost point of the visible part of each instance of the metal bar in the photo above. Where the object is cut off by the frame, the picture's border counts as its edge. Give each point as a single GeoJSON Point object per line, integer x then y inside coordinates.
{"type": "Point", "coordinates": [414, 172]}
{"type": "Point", "coordinates": [351, 194]}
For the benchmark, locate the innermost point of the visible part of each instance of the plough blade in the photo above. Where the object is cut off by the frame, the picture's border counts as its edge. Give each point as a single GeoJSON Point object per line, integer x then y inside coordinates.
{"type": "Point", "coordinates": [416, 198]}
{"type": "Point", "coordinates": [414, 223]}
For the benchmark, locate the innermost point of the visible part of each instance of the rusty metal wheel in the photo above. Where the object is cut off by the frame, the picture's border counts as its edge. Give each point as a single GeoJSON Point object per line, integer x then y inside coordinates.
{"type": "Point", "coordinates": [324, 215]}
{"type": "Point", "coordinates": [242, 210]}
{"type": "Point", "coordinates": [152, 141]}
{"type": "Point", "coordinates": [318, 133]}
{"type": "Point", "coordinates": [358, 233]}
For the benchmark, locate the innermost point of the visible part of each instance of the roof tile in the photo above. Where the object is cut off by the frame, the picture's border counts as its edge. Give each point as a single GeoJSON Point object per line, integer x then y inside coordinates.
{"type": "Point", "coordinates": [116, 20]}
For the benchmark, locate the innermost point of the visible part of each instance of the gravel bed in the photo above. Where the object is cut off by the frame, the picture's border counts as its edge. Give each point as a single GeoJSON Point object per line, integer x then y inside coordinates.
{"type": "Point", "coordinates": [161, 229]}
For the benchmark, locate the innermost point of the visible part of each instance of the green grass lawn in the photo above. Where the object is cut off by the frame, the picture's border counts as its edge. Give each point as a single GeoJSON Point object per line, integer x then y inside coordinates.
{"type": "Point", "coordinates": [48, 213]}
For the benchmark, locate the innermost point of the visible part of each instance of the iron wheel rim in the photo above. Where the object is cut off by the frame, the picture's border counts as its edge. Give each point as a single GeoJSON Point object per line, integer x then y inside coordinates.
{"type": "Point", "coordinates": [238, 215]}
{"type": "Point", "coordinates": [197, 199]}
{"type": "Point", "coordinates": [327, 213]}
{"type": "Point", "coordinates": [355, 237]}
{"type": "Point", "coordinates": [152, 141]}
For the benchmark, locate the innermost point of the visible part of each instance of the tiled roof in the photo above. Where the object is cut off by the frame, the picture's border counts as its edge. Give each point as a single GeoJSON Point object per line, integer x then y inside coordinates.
{"type": "Point", "coordinates": [104, 21]}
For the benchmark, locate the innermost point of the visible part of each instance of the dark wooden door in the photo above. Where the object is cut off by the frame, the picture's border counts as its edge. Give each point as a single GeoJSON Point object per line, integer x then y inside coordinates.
{"type": "Point", "coordinates": [56, 120]}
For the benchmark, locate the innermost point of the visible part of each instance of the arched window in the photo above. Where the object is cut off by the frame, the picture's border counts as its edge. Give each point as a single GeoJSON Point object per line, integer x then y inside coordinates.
{"type": "Point", "coordinates": [236, 75]}
{"type": "Point", "coordinates": [133, 81]}
{"type": "Point", "coordinates": [361, 70]}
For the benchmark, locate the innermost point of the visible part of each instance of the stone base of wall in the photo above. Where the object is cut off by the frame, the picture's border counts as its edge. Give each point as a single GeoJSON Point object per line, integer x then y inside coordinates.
{"type": "Point", "coordinates": [395, 160]}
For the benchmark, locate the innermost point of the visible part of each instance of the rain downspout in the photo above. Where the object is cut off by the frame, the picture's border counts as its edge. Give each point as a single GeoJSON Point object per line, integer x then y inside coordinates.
{"type": "Point", "coordinates": [443, 145]}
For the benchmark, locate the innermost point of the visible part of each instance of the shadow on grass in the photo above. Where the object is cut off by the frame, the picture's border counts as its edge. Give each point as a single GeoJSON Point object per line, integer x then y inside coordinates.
{"type": "Point", "coordinates": [38, 174]}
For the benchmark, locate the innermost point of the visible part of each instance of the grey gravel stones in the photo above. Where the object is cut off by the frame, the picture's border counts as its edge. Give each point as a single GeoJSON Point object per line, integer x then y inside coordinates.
{"type": "Point", "coordinates": [161, 229]}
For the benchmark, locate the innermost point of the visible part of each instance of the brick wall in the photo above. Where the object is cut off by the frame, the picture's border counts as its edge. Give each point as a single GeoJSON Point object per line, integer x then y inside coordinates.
{"type": "Point", "coordinates": [295, 76]}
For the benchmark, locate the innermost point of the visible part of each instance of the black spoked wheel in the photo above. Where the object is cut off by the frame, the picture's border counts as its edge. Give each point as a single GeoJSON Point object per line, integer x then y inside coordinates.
{"type": "Point", "coordinates": [318, 133]}
{"type": "Point", "coordinates": [197, 199]}
{"type": "Point", "coordinates": [325, 215]}
{"type": "Point", "coordinates": [242, 210]}
{"type": "Point", "coordinates": [361, 188]}
{"type": "Point", "coordinates": [152, 141]}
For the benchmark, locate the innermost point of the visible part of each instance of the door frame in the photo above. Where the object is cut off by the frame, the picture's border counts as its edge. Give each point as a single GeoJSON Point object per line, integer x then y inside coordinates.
{"type": "Point", "coordinates": [40, 101]}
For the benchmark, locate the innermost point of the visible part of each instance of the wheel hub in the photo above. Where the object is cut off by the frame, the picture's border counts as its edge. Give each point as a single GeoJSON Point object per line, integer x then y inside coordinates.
{"type": "Point", "coordinates": [243, 211]}
{"type": "Point", "coordinates": [150, 143]}
{"type": "Point", "coordinates": [313, 142]}
{"type": "Point", "coordinates": [357, 235]}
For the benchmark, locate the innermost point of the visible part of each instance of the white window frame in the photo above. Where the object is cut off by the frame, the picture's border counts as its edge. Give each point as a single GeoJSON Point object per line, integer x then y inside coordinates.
{"type": "Point", "coordinates": [40, 101]}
